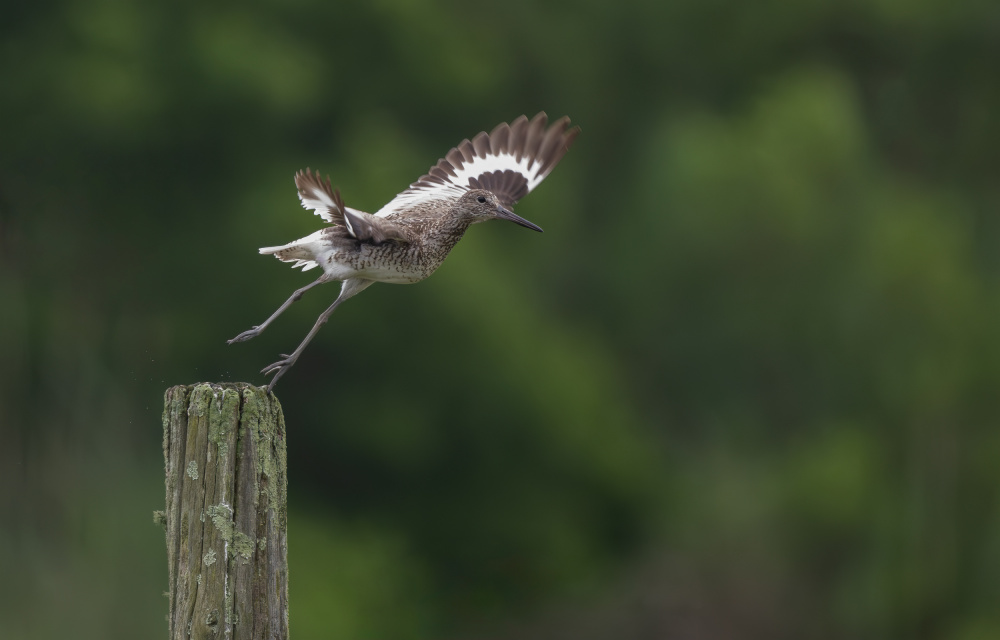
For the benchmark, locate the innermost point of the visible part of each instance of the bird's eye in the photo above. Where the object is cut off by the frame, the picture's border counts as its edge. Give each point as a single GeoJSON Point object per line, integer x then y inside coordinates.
{"type": "Point", "coordinates": [481, 199]}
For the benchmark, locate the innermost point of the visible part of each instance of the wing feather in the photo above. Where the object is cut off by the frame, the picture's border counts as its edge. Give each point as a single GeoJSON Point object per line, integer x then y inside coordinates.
{"type": "Point", "coordinates": [510, 161]}
{"type": "Point", "coordinates": [317, 194]}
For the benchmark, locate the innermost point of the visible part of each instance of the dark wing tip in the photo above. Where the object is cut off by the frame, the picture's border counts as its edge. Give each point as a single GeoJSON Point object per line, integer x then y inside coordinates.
{"type": "Point", "coordinates": [555, 144]}
{"type": "Point", "coordinates": [305, 179]}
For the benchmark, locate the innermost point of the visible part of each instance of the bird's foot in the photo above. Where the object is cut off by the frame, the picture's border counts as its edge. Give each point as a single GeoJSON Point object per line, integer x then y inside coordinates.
{"type": "Point", "coordinates": [246, 335]}
{"type": "Point", "coordinates": [278, 369]}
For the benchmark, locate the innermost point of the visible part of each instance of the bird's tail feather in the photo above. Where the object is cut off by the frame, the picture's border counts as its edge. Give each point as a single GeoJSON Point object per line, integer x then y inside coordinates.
{"type": "Point", "coordinates": [295, 252]}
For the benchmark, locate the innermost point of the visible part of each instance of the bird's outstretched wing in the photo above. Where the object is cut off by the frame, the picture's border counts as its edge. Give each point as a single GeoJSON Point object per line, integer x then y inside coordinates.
{"type": "Point", "coordinates": [510, 161]}
{"type": "Point", "coordinates": [317, 194]}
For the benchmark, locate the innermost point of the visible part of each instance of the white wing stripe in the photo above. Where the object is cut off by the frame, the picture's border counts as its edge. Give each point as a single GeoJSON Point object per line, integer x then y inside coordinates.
{"type": "Point", "coordinates": [319, 207]}
{"type": "Point", "coordinates": [316, 200]}
{"type": "Point", "coordinates": [421, 194]}
{"type": "Point", "coordinates": [501, 162]}
{"type": "Point", "coordinates": [350, 227]}
{"type": "Point", "coordinates": [459, 180]}
{"type": "Point", "coordinates": [316, 194]}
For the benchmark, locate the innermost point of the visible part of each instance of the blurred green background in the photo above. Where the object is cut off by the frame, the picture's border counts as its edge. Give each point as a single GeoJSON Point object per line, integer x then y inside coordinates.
{"type": "Point", "coordinates": [744, 386]}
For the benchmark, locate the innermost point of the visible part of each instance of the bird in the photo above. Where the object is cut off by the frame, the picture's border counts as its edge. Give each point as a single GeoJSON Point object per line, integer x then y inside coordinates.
{"type": "Point", "coordinates": [407, 239]}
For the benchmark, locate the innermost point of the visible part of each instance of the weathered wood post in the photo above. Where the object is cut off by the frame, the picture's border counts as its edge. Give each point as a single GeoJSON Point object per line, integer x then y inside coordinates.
{"type": "Point", "coordinates": [226, 512]}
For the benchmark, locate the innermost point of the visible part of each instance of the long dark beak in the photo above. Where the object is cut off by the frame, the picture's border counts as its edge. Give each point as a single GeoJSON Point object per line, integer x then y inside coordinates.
{"type": "Point", "coordinates": [507, 214]}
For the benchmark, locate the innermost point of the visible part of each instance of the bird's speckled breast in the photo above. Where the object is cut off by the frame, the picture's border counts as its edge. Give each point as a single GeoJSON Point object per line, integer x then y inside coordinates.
{"type": "Point", "coordinates": [406, 263]}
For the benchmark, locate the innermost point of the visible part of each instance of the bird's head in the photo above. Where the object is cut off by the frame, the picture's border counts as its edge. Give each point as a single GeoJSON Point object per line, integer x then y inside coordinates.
{"type": "Point", "coordinates": [484, 205]}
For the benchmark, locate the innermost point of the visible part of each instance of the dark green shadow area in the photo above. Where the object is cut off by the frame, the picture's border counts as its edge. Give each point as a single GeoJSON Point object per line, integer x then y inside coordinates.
{"type": "Point", "coordinates": [744, 385]}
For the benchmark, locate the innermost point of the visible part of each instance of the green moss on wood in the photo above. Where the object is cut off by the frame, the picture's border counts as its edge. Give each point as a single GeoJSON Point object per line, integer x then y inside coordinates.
{"type": "Point", "coordinates": [207, 429]}
{"type": "Point", "coordinates": [222, 517]}
{"type": "Point", "coordinates": [175, 401]}
{"type": "Point", "coordinates": [263, 417]}
{"type": "Point", "coordinates": [243, 545]}
{"type": "Point", "coordinates": [200, 399]}
{"type": "Point", "coordinates": [239, 543]}
{"type": "Point", "coordinates": [223, 418]}
{"type": "Point", "coordinates": [228, 606]}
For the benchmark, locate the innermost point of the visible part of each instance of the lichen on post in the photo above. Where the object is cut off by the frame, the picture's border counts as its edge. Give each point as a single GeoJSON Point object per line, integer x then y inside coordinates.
{"type": "Point", "coordinates": [226, 512]}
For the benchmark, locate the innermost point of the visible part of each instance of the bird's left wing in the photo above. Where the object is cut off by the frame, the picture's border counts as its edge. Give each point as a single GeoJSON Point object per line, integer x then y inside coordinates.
{"type": "Point", "coordinates": [510, 161]}
{"type": "Point", "coordinates": [317, 194]}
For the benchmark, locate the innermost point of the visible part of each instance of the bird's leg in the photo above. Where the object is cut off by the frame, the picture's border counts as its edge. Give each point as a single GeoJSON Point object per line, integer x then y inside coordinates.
{"type": "Point", "coordinates": [283, 365]}
{"type": "Point", "coordinates": [349, 288]}
{"type": "Point", "coordinates": [257, 330]}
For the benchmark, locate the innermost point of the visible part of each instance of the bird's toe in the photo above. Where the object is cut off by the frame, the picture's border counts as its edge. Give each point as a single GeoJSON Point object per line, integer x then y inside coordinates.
{"type": "Point", "coordinates": [246, 335]}
{"type": "Point", "coordinates": [271, 368]}
{"type": "Point", "coordinates": [279, 366]}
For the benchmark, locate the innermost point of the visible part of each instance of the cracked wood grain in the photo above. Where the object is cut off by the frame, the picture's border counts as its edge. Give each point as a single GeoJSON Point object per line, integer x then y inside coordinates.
{"type": "Point", "coordinates": [226, 512]}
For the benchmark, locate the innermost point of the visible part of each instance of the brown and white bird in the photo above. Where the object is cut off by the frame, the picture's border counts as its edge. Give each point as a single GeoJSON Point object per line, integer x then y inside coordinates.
{"type": "Point", "coordinates": [407, 240]}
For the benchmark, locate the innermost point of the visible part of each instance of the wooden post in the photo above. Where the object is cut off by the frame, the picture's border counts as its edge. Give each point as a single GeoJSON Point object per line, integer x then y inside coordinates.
{"type": "Point", "coordinates": [226, 515]}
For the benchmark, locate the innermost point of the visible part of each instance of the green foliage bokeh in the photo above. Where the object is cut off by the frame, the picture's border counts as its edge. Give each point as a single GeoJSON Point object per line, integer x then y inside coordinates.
{"type": "Point", "coordinates": [745, 385]}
